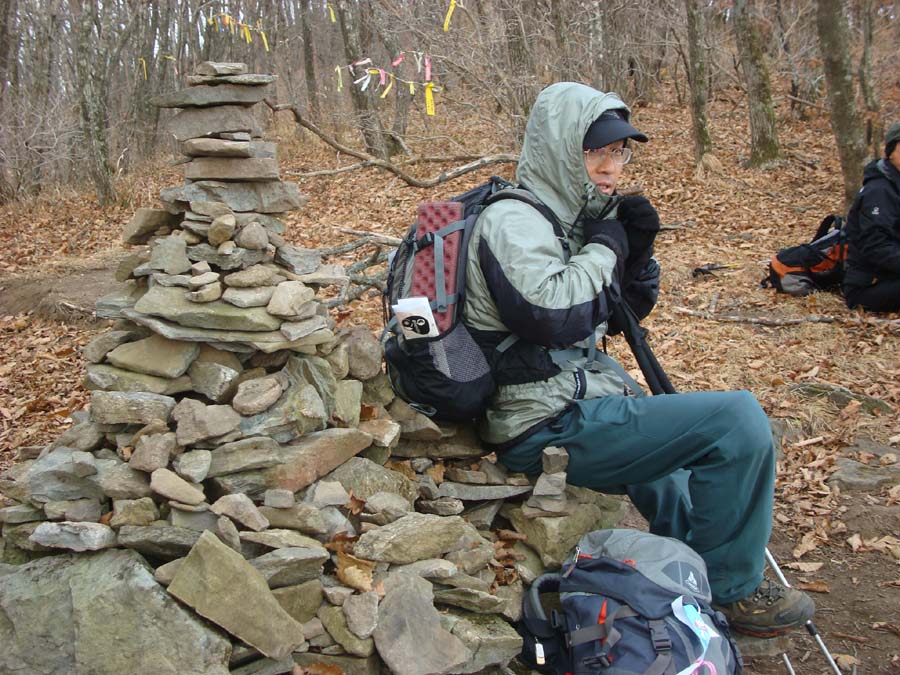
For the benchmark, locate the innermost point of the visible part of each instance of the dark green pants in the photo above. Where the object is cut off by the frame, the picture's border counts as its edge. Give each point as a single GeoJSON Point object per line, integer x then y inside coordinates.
{"type": "Point", "coordinates": [699, 466]}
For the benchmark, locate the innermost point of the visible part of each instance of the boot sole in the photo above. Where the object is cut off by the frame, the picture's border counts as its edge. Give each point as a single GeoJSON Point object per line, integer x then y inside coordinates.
{"type": "Point", "coordinates": [773, 632]}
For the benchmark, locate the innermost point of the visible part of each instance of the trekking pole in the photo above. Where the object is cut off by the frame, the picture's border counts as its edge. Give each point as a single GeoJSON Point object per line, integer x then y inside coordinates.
{"type": "Point", "coordinates": [810, 626]}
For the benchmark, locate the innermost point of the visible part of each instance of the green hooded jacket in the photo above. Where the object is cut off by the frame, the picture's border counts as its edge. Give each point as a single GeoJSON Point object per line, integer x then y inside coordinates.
{"type": "Point", "coordinates": [521, 281]}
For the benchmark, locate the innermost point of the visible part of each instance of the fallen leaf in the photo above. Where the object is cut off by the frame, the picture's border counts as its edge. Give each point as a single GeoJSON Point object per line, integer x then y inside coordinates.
{"type": "Point", "coordinates": [845, 661]}
{"type": "Point", "coordinates": [804, 566]}
{"type": "Point", "coordinates": [402, 467]}
{"type": "Point", "coordinates": [855, 542]}
{"type": "Point", "coordinates": [807, 543]}
{"type": "Point", "coordinates": [813, 586]}
{"type": "Point", "coordinates": [355, 572]}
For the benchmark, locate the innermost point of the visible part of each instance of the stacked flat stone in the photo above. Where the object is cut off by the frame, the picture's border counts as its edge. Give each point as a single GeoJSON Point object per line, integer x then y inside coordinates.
{"type": "Point", "coordinates": [233, 431]}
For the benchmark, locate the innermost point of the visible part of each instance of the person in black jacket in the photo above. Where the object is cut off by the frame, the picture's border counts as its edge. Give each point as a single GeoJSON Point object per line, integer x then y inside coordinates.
{"type": "Point", "coordinates": [872, 279]}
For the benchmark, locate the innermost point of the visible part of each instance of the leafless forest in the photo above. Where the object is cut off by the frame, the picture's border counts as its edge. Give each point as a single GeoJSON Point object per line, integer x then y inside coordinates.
{"type": "Point", "coordinates": [77, 77]}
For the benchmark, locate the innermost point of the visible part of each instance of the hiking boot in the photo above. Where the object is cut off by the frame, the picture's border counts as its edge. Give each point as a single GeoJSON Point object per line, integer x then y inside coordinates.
{"type": "Point", "coordinates": [772, 609]}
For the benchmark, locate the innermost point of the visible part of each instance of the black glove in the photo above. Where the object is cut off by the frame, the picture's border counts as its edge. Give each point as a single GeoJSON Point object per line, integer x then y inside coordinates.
{"type": "Point", "coordinates": [641, 295]}
{"type": "Point", "coordinates": [611, 233]}
{"type": "Point", "coordinates": [641, 222]}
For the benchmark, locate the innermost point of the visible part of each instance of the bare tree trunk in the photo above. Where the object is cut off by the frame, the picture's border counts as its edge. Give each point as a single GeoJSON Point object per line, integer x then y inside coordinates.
{"type": "Point", "coordinates": [92, 100]}
{"type": "Point", "coordinates": [874, 122]}
{"type": "Point", "coordinates": [369, 121]}
{"type": "Point", "coordinates": [697, 80]}
{"type": "Point", "coordinates": [763, 134]}
{"type": "Point", "coordinates": [309, 62]}
{"type": "Point", "coordinates": [845, 122]}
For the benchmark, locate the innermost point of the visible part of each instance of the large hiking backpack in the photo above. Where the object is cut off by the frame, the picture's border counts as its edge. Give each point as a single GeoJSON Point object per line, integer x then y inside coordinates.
{"type": "Point", "coordinates": [631, 602]}
{"type": "Point", "coordinates": [433, 361]}
{"type": "Point", "coordinates": [816, 266]}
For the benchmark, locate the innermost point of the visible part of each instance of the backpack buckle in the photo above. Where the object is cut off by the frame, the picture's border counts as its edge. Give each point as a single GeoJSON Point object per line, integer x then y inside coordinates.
{"type": "Point", "coordinates": [425, 241]}
{"type": "Point", "coordinates": [659, 636]}
{"type": "Point", "coordinates": [601, 661]}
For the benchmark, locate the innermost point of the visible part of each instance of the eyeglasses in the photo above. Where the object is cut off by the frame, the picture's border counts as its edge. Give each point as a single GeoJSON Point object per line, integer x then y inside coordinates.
{"type": "Point", "coordinates": [596, 156]}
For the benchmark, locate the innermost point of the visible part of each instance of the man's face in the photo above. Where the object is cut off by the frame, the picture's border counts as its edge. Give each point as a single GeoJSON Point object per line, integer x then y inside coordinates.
{"type": "Point", "coordinates": [894, 157]}
{"type": "Point", "coordinates": [604, 166]}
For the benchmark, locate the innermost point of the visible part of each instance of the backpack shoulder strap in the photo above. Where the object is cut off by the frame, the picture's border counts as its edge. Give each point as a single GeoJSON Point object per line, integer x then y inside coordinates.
{"type": "Point", "coordinates": [524, 195]}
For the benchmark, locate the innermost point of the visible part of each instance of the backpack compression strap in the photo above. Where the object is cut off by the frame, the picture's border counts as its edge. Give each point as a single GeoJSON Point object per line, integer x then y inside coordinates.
{"type": "Point", "coordinates": [659, 636]}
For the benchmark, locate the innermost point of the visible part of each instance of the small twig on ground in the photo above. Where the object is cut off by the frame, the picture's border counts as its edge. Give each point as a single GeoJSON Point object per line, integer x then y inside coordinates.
{"type": "Point", "coordinates": [346, 248]}
{"type": "Point", "coordinates": [376, 237]}
{"type": "Point", "coordinates": [769, 321]}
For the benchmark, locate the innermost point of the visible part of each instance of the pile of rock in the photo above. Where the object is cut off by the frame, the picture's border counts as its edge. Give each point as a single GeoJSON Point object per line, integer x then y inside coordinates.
{"type": "Point", "coordinates": [244, 456]}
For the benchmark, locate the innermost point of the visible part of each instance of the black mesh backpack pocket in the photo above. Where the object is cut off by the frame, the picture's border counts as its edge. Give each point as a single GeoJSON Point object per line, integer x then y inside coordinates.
{"type": "Point", "coordinates": [447, 374]}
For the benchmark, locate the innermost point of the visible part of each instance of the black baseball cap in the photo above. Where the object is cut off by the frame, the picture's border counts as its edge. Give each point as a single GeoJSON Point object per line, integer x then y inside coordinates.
{"type": "Point", "coordinates": [610, 127]}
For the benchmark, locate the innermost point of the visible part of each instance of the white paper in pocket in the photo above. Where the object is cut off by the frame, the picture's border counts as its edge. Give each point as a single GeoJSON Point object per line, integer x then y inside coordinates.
{"type": "Point", "coordinates": [415, 318]}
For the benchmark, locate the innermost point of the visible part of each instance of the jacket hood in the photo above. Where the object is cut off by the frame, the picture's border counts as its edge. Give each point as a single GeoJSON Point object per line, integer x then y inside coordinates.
{"type": "Point", "coordinates": [881, 168]}
{"type": "Point", "coordinates": [552, 162]}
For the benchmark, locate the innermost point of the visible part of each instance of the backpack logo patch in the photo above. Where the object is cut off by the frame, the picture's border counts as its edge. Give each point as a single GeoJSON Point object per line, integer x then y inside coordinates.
{"type": "Point", "coordinates": [875, 211]}
{"type": "Point", "coordinates": [691, 582]}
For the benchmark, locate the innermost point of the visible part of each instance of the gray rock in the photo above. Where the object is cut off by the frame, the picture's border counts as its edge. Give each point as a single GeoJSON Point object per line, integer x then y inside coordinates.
{"type": "Point", "coordinates": [298, 260]}
{"type": "Point", "coordinates": [275, 538]}
{"type": "Point", "coordinates": [20, 513]}
{"type": "Point", "coordinates": [153, 452]}
{"type": "Point", "coordinates": [168, 255]}
{"type": "Point", "coordinates": [74, 536]}
{"type": "Point", "coordinates": [853, 476]}
{"type": "Point", "coordinates": [336, 624]}
{"type": "Point", "coordinates": [53, 478]}
{"type": "Point", "coordinates": [253, 79]}
{"type": "Point", "coordinates": [18, 538]}
{"type": "Point", "coordinates": [215, 381]}
{"type": "Point", "coordinates": [550, 484]}
{"type": "Point", "coordinates": [470, 599]}
{"type": "Point", "coordinates": [298, 411]}
{"type": "Point", "coordinates": [166, 572]}
{"type": "Point", "coordinates": [301, 601]}
{"type": "Point", "coordinates": [192, 520]}
{"type": "Point", "coordinates": [463, 445]}
{"type": "Point", "coordinates": [197, 421]}
{"type": "Point", "coordinates": [221, 229]}
{"type": "Point", "coordinates": [83, 463]}
{"type": "Point", "coordinates": [194, 465]}
{"type": "Point", "coordinates": [840, 396]}
{"type": "Point", "coordinates": [365, 353]}
{"type": "Point", "coordinates": [197, 122]}
{"type": "Point", "coordinates": [228, 534]}
{"type": "Point", "coordinates": [480, 492]}
{"type": "Point", "coordinates": [215, 147]}
{"type": "Point", "coordinates": [97, 349]}
{"type": "Point", "coordinates": [349, 665]}
{"type": "Point", "coordinates": [170, 485]}
{"type": "Point", "coordinates": [171, 304]}
{"type": "Point", "coordinates": [299, 517]}
{"type": "Point", "coordinates": [289, 298]}
{"type": "Point", "coordinates": [99, 376]}
{"type": "Point", "coordinates": [336, 522]}
{"type": "Point", "coordinates": [385, 432]}
{"type": "Point", "coordinates": [290, 566]}
{"type": "Point", "coordinates": [74, 510]}
{"type": "Point", "coordinates": [115, 407]}
{"type": "Point", "coordinates": [256, 395]}
{"type": "Point", "coordinates": [179, 280]}
{"type": "Point", "coordinates": [224, 588]}
{"type": "Point", "coordinates": [139, 512]}
{"type": "Point", "coordinates": [414, 537]}
{"type": "Point", "coordinates": [490, 639]}
{"type": "Point", "coordinates": [155, 355]}
{"type": "Point", "coordinates": [365, 478]}
{"type": "Point", "coordinates": [84, 436]}
{"type": "Point", "coordinates": [386, 507]}
{"type": "Point", "coordinates": [409, 636]}
{"type": "Point", "coordinates": [337, 595]}
{"type": "Point", "coordinates": [278, 499]}
{"type": "Point", "coordinates": [225, 260]}
{"type": "Point", "coordinates": [296, 330]}
{"type": "Point", "coordinates": [257, 275]}
{"type": "Point", "coordinates": [258, 296]}
{"type": "Point", "coordinates": [144, 223]}
{"type": "Point", "coordinates": [209, 293]}
{"type": "Point", "coordinates": [260, 197]}
{"type": "Point", "coordinates": [339, 360]}
{"type": "Point", "coordinates": [347, 402]}
{"type": "Point", "coordinates": [442, 506]}
{"type": "Point", "coordinates": [472, 552]}
{"type": "Point", "coordinates": [482, 515]}
{"type": "Point", "coordinates": [326, 275]}
{"type": "Point", "coordinates": [248, 453]}
{"type": "Point", "coordinates": [220, 68]}
{"type": "Point", "coordinates": [107, 598]}
{"type": "Point", "coordinates": [118, 480]}
{"type": "Point", "coordinates": [204, 95]}
{"type": "Point", "coordinates": [554, 460]}
{"type": "Point", "coordinates": [112, 305]}
{"type": "Point", "coordinates": [361, 613]}
{"type": "Point", "coordinates": [253, 235]}
{"type": "Point", "coordinates": [160, 541]}
{"type": "Point", "coordinates": [241, 508]}
{"type": "Point", "coordinates": [326, 493]}
{"type": "Point", "coordinates": [459, 475]}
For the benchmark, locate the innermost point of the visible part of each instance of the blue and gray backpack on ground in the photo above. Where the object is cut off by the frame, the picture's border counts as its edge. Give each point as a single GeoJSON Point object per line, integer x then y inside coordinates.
{"type": "Point", "coordinates": [629, 602]}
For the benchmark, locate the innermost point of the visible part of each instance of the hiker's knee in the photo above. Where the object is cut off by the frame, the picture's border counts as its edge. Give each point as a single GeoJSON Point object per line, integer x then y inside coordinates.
{"type": "Point", "coordinates": [751, 428]}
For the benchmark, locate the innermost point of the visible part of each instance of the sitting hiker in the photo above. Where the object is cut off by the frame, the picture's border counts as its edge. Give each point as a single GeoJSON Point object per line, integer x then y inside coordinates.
{"type": "Point", "coordinates": [699, 466]}
{"type": "Point", "coordinates": [872, 277]}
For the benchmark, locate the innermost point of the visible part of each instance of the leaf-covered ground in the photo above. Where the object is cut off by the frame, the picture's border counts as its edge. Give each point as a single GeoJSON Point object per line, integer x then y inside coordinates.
{"type": "Point", "coordinates": [717, 331]}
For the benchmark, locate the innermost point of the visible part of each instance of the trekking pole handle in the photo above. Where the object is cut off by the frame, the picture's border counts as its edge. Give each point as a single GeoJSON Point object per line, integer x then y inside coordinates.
{"type": "Point", "coordinates": [810, 626]}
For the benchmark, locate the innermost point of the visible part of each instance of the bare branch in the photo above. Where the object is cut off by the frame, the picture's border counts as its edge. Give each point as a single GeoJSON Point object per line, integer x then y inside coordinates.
{"type": "Point", "coordinates": [369, 160]}
{"type": "Point", "coordinates": [812, 318]}
{"type": "Point", "coordinates": [378, 238]}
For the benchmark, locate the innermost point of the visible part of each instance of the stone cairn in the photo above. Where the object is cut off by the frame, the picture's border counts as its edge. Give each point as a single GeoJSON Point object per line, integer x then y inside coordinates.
{"type": "Point", "coordinates": [244, 457]}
